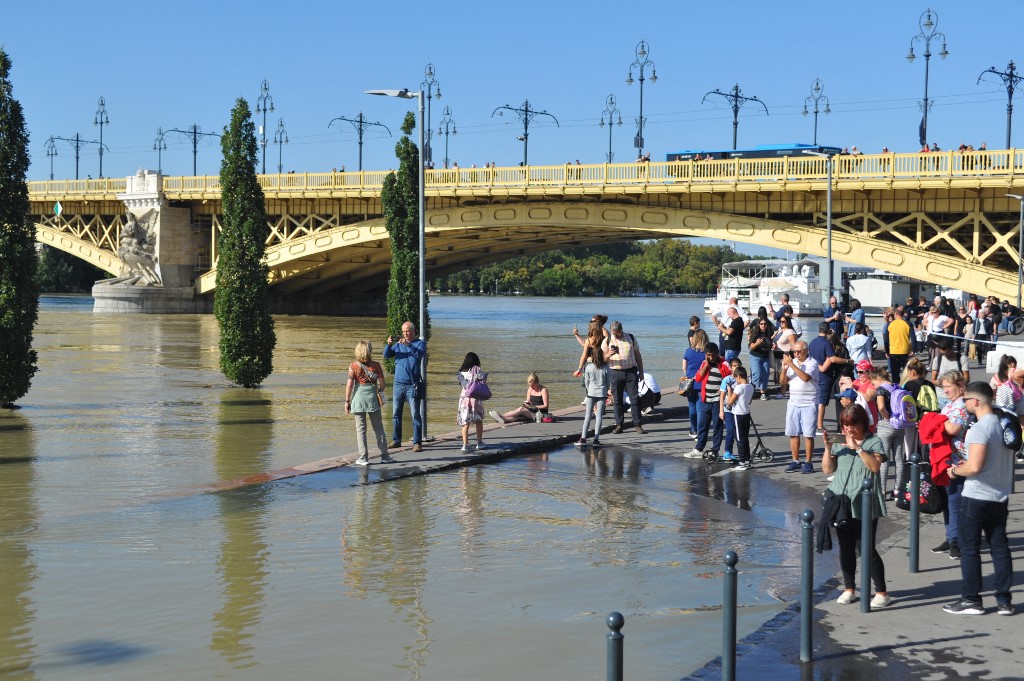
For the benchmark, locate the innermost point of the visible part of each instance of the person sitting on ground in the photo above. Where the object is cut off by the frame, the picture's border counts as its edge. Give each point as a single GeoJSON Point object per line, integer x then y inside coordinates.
{"type": "Point", "coordinates": [535, 405]}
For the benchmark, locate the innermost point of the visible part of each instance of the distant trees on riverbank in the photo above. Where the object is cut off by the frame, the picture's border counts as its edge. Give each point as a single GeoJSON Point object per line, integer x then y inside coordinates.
{"type": "Point", "coordinates": [661, 266]}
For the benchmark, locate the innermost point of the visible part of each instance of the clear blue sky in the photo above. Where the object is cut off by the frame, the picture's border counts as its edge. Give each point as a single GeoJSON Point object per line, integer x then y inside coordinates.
{"type": "Point", "coordinates": [174, 64]}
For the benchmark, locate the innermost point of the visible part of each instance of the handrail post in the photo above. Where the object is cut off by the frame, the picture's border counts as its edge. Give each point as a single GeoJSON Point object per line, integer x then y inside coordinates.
{"type": "Point", "coordinates": [806, 586]}
{"type": "Point", "coordinates": [614, 664]}
{"type": "Point", "coordinates": [915, 510]}
{"type": "Point", "coordinates": [866, 489]}
{"type": "Point", "coordinates": [729, 617]}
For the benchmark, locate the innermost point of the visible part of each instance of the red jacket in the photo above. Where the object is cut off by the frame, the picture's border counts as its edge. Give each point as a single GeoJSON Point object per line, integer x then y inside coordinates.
{"type": "Point", "coordinates": [932, 430]}
{"type": "Point", "coordinates": [705, 370]}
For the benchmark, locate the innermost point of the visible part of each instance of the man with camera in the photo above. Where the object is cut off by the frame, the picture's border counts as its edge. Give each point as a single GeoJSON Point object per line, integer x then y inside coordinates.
{"type": "Point", "coordinates": [408, 353]}
{"type": "Point", "coordinates": [625, 366]}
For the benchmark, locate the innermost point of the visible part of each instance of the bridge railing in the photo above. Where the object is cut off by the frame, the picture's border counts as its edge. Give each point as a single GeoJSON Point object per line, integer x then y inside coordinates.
{"type": "Point", "coordinates": [892, 167]}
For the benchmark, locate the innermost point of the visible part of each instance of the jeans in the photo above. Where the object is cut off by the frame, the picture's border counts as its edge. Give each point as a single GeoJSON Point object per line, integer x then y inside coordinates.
{"type": "Point", "coordinates": [730, 431]}
{"type": "Point", "coordinates": [952, 514]}
{"type": "Point", "coordinates": [694, 398]}
{"type": "Point", "coordinates": [620, 380]}
{"type": "Point", "coordinates": [761, 369]}
{"type": "Point", "coordinates": [709, 421]}
{"type": "Point", "coordinates": [896, 365]}
{"type": "Point", "coordinates": [378, 432]}
{"type": "Point", "coordinates": [401, 394]}
{"type": "Point", "coordinates": [849, 542]}
{"type": "Point", "coordinates": [988, 517]}
{"type": "Point", "coordinates": [593, 402]}
{"type": "Point", "coordinates": [743, 436]}
{"type": "Point", "coordinates": [730, 355]}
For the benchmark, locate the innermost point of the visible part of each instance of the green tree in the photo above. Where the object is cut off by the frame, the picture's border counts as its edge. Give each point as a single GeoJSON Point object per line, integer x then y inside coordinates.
{"type": "Point", "coordinates": [19, 290]}
{"type": "Point", "coordinates": [241, 300]}
{"type": "Point", "coordinates": [400, 201]}
{"type": "Point", "coordinates": [61, 272]}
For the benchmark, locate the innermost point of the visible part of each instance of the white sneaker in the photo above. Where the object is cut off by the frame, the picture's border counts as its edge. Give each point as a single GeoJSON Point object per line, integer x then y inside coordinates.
{"type": "Point", "coordinates": [361, 461]}
{"type": "Point", "coordinates": [695, 454]}
{"type": "Point", "coordinates": [648, 411]}
{"type": "Point", "coordinates": [881, 601]}
{"type": "Point", "coordinates": [846, 598]}
{"type": "Point", "coordinates": [496, 416]}
{"type": "Point", "coordinates": [465, 449]}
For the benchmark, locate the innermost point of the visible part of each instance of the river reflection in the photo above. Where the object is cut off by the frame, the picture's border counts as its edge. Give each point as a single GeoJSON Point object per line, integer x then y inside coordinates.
{"type": "Point", "coordinates": [115, 567]}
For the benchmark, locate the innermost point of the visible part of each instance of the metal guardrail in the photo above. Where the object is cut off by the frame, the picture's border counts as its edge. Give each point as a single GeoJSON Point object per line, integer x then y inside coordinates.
{"type": "Point", "coordinates": [946, 165]}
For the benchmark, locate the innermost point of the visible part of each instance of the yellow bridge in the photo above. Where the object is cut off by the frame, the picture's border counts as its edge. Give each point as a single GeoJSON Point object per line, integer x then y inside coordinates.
{"type": "Point", "coordinates": [942, 217]}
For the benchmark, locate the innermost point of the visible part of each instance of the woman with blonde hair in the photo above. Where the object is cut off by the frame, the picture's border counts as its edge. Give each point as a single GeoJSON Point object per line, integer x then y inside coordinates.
{"type": "Point", "coordinates": [692, 359]}
{"type": "Point", "coordinates": [535, 405]}
{"type": "Point", "coordinates": [364, 395]}
{"type": "Point", "coordinates": [958, 420]}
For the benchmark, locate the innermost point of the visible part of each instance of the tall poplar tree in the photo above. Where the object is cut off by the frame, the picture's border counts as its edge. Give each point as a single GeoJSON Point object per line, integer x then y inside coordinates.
{"type": "Point", "coordinates": [400, 200]}
{"type": "Point", "coordinates": [19, 291]}
{"type": "Point", "coordinates": [242, 297]}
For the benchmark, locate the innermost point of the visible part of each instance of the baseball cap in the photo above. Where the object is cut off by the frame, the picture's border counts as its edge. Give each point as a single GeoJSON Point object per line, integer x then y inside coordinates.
{"type": "Point", "coordinates": [849, 394]}
{"type": "Point", "coordinates": [864, 365]}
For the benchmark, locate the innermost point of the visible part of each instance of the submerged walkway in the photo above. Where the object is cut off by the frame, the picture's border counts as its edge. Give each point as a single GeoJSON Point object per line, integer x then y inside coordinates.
{"type": "Point", "coordinates": [911, 639]}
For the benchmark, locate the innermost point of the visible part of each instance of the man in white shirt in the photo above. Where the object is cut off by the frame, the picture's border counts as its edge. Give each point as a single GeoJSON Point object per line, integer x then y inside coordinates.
{"type": "Point", "coordinates": [802, 410]}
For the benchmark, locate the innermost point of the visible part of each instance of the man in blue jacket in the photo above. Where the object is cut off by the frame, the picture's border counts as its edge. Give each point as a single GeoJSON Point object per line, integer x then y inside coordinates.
{"type": "Point", "coordinates": [408, 354]}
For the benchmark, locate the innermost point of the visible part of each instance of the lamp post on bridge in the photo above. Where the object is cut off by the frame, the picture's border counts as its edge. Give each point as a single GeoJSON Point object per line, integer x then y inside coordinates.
{"type": "Point", "coordinates": [1020, 246]}
{"type": "Point", "coordinates": [928, 33]}
{"type": "Point", "coordinates": [1010, 79]}
{"type": "Point", "coordinates": [421, 206]}
{"type": "Point", "coordinates": [264, 103]}
{"type": "Point", "coordinates": [525, 114]}
{"type": "Point", "coordinates": [51, 152]}
{"type": "Point", "coordinates": [194, 132]}
{"type": "Point", "coordinates": [429, 86]}
{"type": "Point", "coordinates": [736, 100]}
{"type": "Point", "coordinates": [829, 160]}
{"type": "Point", "coordinates": [816, 97]}
{"type": "Point", "coordinates": [612, 111]}
{"type": "Point", "coordinates": [446, 127]}
{"type": "Point", "coordinates": [76, 143]}
{"type": "Point", "coordinates": [360, 124]}
{"type": "Point", "coordinates": [101, 120]}
{"type": "Point", "coordinates": [280, 139]}
{"type": "Point", "coordinates": [160, 146]}
{"type": "Point", "coordinates": [641, 63]}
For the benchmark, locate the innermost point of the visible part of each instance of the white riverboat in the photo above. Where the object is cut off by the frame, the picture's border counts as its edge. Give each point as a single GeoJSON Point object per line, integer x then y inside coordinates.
{"type": "Point", "coordinates": [756, 283]}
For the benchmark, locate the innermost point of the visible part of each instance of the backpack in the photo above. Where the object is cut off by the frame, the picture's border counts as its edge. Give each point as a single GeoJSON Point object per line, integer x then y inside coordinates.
{"type": "Point", "coordinates": [1012, 432]}
{"type": "Point", "coordinates": [902, 407]}
{"type": "Point", "coordinates": [927, 399]}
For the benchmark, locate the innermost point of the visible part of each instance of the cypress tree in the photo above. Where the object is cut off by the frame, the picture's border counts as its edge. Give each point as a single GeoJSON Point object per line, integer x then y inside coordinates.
{"type": "Point", "coordinates": [400, 201]}
{"type": "Point", "coordinates": [241, 300]}
{"type": "Point", "coordinates": [19, 291]}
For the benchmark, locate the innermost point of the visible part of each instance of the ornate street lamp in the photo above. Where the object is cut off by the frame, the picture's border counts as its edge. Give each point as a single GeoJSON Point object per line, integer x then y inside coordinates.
{"type": "Point", "coordinates": [51, 152]}
{"type": "Point", "coordinates": [736, 100]}
{"type": "Point", "coordinates": [101, 120]}
{"type": "Point", "coordinates": [525, 114]}
{"type": "Point", "coordinates": [929, 22]}
{"type": "Point", "coordinates": [430, 86]}
{"type": "Point", "coordinates": [264, 103]}
{"type": "Point", "coordinates": [1010, 79]}
{"type": "Point", "coordinates": [76, 143]}
{"type": "Point", "coordinates": [280, 139]}
{"type": "Point", "coordinates": [360, 124]}
{"type": "Point", "coordinates": [446, 127]}
{"type": "Point", "coordinates": [815, 98]}
{"type": "Point", "coordinates": [641, 63]}
{"type": "Point", "coordinates": [612, 111]}
{"type": "Point", "coordinates": [159, 146]}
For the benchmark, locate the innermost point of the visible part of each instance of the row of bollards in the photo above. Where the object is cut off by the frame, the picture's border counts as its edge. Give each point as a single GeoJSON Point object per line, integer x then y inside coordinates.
{"type": "Point", "coordinates": [730, 583]}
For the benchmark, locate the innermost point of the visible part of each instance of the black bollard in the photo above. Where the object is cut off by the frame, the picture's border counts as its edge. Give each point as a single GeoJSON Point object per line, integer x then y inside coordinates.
{"type": "Point", "coordinates": [615, 623]}
{"type": "Point", "coordinates": [729, 618]}
{"type": "Point", "coordinates": [807, 586]}
{"type": "Point", "coordinates": [915, 510]}
{"type": "Point", "coordinates": [866, 490]}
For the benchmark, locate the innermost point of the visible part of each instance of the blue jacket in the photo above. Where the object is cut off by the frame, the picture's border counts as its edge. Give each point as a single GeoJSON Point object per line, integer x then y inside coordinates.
{"type": "Point", "coordinates": [407, 360]}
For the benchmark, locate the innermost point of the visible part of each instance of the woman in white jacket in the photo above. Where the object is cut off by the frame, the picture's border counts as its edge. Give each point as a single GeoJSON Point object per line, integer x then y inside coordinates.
{"type": "Point", "coordinates": [595, 382]}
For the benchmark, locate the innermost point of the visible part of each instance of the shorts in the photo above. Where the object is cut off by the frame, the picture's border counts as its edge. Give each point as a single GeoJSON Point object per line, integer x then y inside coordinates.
{"type": "Point", "coordinates": [801, 421]}
{"type": "Point", "coordinates": [825, 391]}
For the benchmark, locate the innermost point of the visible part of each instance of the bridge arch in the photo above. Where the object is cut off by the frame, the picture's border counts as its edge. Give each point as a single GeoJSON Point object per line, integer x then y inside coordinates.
{"type": "Point", "coordinates": [84, 250]}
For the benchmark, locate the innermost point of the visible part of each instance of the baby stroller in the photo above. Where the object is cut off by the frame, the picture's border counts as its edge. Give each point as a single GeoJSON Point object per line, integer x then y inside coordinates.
{"type": "Point", "coordinates": [760, 452]}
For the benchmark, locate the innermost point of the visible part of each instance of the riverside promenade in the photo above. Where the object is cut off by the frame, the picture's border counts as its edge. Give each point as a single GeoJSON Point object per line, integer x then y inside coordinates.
{"type": "Point", "coordinates": [911, 639]}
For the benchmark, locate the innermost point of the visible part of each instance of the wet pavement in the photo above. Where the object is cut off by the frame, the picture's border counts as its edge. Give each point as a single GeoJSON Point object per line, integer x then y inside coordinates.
{"type": "Point", "coordinates": [911, 639]}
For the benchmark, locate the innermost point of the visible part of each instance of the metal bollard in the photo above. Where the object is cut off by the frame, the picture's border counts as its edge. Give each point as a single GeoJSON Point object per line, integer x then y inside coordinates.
{"type": "Point", "coordinates": [866, 490]}
{"type": "Point", "coordinates": [915, 510]}
{"type": "Point", "coordinates": [729, 617]}
{"type": "Point", "coordinates": [807, 586]}
{"type": "Point", "coordinates": [615, 623]}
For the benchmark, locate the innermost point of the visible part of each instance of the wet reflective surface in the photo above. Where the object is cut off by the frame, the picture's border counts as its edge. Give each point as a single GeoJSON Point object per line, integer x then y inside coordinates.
{"type": "Point", "coordinates": [113, 567]}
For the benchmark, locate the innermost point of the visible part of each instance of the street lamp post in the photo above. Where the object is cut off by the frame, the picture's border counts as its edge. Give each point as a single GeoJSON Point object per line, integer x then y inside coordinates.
{"type": "Point", "coordinates": [280, 139]}
{"type": "Point", "coordinates": [641, 63]}
{"type": "Point", "coordinates": [51, 152]}
{"type": "Point", "coordinates": [829, 160]}
{"type": "Point", "coordinates": [525, 114]}
{"type": "Point", "coordinates": [1020, 246]}
{"type": "Point", "coordinates": [429, 86]}
{"type": "Point", "coordinates": [264, 103]}
{"type": "Point", "coordinates": [612, 111]}
{"type": "Point", "coordinates": [421, 206]}
{"type": "Point", "coordinates": [816, 97]}
{"type": "Point", "coordinates": [1010, 79]}
{"type": "Point", "coordinates": [446, 127]}
{"type": "Point", "coordinates": [76, 143]}
{"type": "Point", "coordinates": [101, 120]}
{"type": "Point", "coordinates": [194, 132]}
{"type": "Point", "coordinates": [928, 33]}
{"type": "Point", "coordinates": [360, 124]}
{"type": "Point", "coordinates": [736, 100]}
{"type": "Point", "coordinates": [160, 145]}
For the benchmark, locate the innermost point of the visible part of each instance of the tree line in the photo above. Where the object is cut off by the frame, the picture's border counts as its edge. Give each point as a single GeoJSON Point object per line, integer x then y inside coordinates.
{"type": "Point", "coordinates": [659, 266]}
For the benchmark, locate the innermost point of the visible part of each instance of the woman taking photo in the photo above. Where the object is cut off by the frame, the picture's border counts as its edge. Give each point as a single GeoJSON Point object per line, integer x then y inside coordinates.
{"type": "Point", "coordinates": [364, 395]}
{"type": "Point", "coordinates": [851, 457]}
{"type": "Point", "coordinates": [782, 343]}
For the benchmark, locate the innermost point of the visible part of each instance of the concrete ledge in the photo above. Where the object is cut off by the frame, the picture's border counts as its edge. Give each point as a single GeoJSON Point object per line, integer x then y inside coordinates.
{"type": "Point", "coordinates": [122, 299]}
